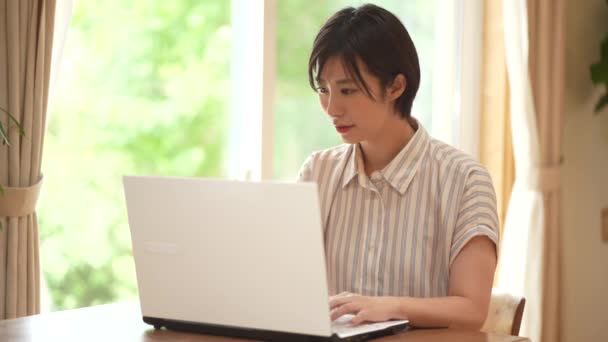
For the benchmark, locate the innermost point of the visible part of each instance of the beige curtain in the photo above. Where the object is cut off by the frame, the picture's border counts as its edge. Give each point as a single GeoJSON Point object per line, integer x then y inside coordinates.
{"type": "Point", "coordinates": [530, 261]}
{"type": "Point", "coordinates": [546, 59]}
{"type": "Point", "coordinates": [26, 34]}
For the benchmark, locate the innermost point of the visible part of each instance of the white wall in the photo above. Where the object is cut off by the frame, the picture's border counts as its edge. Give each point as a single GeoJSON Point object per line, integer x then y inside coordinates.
{"type": "Point", "coordinates": [584, 179]}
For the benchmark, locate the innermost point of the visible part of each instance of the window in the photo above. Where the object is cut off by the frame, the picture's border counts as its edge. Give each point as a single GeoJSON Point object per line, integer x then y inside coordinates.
{"type": "Point", "coordinates": [144, 89]}
{"type": "Point", "coordinates": [206, 89]}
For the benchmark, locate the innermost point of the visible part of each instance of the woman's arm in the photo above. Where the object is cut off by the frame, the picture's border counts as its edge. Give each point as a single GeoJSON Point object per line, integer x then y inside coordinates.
{"type": "Point", "coordinates": [466, 306]}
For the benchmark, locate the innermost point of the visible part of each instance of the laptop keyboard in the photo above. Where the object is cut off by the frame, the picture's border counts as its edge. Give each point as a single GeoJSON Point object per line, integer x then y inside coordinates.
{"type": "Point", "coordinates": [344, 328]}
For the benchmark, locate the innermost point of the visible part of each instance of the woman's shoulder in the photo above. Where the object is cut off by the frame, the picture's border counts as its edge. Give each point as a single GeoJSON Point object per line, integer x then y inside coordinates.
{"type": "Point", "coordinates": [331, 155]}
{"type": "Point", "coordinates": [324, 159]}
{"type": "Point", "coordinates": [450, 159]}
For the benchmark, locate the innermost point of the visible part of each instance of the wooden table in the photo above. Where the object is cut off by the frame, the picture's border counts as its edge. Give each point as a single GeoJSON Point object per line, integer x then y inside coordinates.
{"type": "Point", "coordinates": [122, 322]}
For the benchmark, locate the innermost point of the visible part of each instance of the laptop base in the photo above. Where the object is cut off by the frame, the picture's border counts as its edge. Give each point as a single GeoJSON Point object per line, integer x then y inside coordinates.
{"type": "Point", "coordinates": [257, 334]}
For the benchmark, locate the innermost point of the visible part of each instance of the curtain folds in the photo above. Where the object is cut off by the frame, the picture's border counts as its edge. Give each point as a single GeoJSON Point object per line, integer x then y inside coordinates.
{"type": "Point", "coordinates": [530, 258]}
{"type": "Point", "coordinates": [26, 40]}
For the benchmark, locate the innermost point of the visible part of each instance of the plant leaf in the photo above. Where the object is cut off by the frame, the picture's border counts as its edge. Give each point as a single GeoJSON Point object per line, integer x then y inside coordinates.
{"type": "Point", "coordinates": [3, 136]}
{"type": "Point", "coordinates": [601, 104]}
{"type": "Point", "coordinates": [12, 118]}
{"type": "Point", "coordinates": [599, 72]}
{"type": "Point", "coordinates": [604, 49]}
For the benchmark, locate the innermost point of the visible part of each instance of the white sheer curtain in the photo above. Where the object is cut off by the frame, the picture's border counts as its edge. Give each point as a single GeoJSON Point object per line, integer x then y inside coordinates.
{"type": "Point", "coordinates": [63, 14]}
{"type": "Point", "coordinates": [521, 257]}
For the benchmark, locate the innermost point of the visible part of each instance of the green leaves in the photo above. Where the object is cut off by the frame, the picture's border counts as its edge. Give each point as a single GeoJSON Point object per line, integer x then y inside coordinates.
{"type": "Point", "coordinates": [4, 139]}
{"type": "Point", "coordinates": [3, 135]}
{"type": "Point", "coordinates": [145, 98]}
{"type": "Point", "coordinates": [599, 75]}
{"type": "Point", "coordinates": [3, 130]}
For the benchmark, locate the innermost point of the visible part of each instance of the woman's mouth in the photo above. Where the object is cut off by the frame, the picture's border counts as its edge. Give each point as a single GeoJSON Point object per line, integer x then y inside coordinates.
{"type": "Point", "coordinates": [343, 129]}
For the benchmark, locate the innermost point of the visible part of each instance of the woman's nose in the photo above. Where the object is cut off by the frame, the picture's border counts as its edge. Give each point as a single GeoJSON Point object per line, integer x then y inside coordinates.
{"type": "Point", "coordinates": [334, 107]}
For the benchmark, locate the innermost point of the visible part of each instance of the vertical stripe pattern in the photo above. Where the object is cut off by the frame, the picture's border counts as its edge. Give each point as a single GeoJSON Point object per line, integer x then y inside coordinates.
{"type": "Point", "coordinates": [397, 232]}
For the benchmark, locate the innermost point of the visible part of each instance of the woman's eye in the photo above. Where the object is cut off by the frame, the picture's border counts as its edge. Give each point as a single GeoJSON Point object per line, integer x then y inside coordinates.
{"type": "Point", "coordinates": [348, 91]}
{"type": "Point", "coordinates": [321, 90]}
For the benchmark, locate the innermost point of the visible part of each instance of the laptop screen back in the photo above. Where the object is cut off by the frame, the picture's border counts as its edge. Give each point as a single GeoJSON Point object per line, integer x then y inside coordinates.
{"type": "Point", "coordinates": [240, 254]}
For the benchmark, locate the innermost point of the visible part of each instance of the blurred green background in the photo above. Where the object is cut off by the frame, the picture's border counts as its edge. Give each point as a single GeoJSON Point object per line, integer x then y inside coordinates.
{"type": "Point", "coordinates": [145, 89]}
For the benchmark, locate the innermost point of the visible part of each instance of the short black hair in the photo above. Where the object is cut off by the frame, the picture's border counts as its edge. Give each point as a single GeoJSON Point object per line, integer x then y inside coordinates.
{"type": "Point", "coordinates": [379, 39]}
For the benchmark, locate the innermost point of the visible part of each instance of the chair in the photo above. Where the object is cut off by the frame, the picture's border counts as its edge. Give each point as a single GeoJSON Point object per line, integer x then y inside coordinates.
{"type": "Point", "coordinates": [504, 314]}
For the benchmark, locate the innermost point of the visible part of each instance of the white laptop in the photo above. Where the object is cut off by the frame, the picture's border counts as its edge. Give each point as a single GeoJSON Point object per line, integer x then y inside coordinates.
{"type": "Point", "coordinates": [234, 258]}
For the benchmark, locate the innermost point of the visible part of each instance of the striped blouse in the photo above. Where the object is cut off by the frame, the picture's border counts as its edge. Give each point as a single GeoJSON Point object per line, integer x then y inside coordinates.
{"type": "Point", "coordinates": [397, 232]}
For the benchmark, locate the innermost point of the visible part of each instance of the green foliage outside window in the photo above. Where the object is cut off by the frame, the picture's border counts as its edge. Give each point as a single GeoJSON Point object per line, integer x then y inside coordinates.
{"type": "Point", "coordinates": [144, 89]}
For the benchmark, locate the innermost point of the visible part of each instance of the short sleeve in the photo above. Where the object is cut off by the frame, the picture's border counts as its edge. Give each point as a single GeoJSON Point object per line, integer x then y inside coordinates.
{"type": "Point", "coordinates": [477, 215]}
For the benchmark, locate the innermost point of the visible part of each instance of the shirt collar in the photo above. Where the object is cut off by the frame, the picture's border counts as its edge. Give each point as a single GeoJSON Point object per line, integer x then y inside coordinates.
{"type": "Point", "coordinates": [351, 169]}
{"type": "Point", "coordinates": [401, 170]}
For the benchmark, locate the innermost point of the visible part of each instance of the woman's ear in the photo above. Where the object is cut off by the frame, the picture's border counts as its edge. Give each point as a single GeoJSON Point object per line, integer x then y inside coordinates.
{"type": "Point", "coordinates": [397, 87]}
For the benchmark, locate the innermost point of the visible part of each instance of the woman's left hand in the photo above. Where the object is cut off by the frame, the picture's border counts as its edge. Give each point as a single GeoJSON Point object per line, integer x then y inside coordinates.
{"type": "Point", "coordinates": [365, 308]}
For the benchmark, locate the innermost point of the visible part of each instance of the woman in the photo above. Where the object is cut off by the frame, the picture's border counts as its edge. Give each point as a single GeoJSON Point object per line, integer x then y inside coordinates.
{"type": "Point", "coordinates": [410, 222]}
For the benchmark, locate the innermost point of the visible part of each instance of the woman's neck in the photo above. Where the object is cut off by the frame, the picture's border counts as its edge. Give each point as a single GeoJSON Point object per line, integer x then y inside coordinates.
{"type": "Point", "coordinates": [379, 152]}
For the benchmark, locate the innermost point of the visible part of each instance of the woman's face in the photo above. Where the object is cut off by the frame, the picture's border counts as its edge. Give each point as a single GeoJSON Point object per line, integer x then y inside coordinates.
{"type": "Point", "coordinates": [355, 115]}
